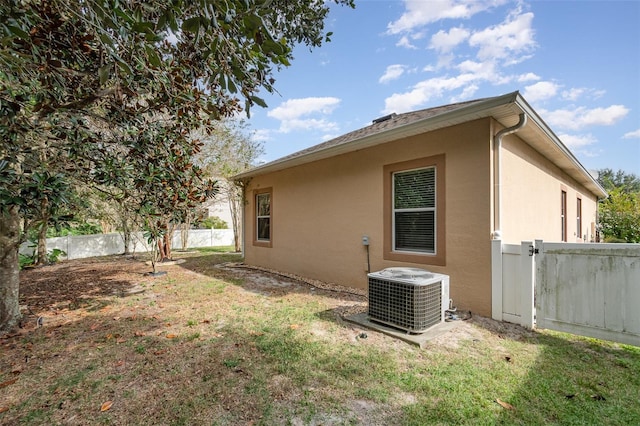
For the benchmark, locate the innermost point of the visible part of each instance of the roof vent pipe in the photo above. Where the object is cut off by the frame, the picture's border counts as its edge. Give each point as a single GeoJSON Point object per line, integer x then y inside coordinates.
{"type": "Point", "coordinates": [497, 176]}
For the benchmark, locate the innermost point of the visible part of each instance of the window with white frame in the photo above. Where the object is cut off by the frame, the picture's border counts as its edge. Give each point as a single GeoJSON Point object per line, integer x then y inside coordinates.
{"type": "Point", "coordinates": [579, 218]}
{"type": "Point", "coordinates": [414, 210]}
{"type": "Point", "coordinates": [563, 215]}
{"type": "Point", "coordinates": [263, 216]}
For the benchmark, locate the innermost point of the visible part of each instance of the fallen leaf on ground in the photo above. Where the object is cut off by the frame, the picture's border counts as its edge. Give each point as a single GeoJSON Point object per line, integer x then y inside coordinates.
{"type": "Point", "coordinates": [106, 406]}
{"type": "Point", "coordinates": [3, 409]}
{"type": "Point", "coordinates": [8, 382]}
{"type": "Point", "coordinates": [171, 336]}
{"type": "Point", "coordinates": [294, 326]}
{"type": "Point", "coordinates": [505, 404]}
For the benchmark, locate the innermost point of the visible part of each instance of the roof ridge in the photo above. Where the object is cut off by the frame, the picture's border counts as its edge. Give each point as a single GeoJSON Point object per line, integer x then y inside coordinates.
{"type": "Point", "coordinates": [378, 125]}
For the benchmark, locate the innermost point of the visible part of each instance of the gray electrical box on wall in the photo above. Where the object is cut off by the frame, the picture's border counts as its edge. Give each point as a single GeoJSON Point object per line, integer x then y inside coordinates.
{"type": "Point", "coordinates": [365, 240]}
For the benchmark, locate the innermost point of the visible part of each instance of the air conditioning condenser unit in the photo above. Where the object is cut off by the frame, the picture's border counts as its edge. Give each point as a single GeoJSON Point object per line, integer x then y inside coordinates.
{"type": "Point", "coordinates": [410, 299]}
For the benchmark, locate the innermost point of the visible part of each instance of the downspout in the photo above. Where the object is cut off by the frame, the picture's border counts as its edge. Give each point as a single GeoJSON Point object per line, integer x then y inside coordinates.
{"type": "Point", "coordinates": [497, 175]}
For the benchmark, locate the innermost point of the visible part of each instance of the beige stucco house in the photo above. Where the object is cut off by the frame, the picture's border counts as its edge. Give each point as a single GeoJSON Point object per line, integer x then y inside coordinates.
{"type": "Point", "coordinates": [428, 189]}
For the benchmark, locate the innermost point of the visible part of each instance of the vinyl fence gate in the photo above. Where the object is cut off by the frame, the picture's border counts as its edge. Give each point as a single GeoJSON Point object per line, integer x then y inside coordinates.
{"type": "Point", "coordinates": [586, 289]}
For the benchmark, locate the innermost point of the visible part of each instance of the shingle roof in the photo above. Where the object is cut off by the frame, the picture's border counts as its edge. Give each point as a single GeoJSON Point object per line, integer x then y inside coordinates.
{"type": "Point", "coordinates": [505, 109]}
{"type": "Point", "coordinates": [378, 126]}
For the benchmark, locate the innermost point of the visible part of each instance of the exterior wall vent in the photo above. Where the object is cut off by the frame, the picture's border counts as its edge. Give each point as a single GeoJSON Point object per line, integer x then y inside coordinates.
{"type": "Point", "coordinates": [410, 299]}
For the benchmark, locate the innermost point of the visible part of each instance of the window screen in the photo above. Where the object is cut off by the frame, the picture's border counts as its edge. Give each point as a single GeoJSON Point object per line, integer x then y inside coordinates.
{"type": "Point", "coordinates": [263, 216]}
{"type": "Point", "coordinates": [414, 210]}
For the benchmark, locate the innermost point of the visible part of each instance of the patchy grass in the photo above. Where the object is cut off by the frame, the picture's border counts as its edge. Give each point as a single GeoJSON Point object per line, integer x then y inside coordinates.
{"type": "Point", "coordinates": [228, 346]}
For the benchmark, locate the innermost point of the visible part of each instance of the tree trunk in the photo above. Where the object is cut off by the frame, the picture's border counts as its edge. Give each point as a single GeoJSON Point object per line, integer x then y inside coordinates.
{"type": "Point", "coordinates": [42, 245]}
{"type": "Point", "coordinates": [126, 236]}
{"type": "Point", "coordinates": [166, 242]}
{"type": "Point", "coordinates": [235, 199]}
{"type": "Point", "coordinates": [184, 232]}
{"type": "Point", "coordinates": [161, 253]}
{"type": "Point", "coordinates": [42, 232]}
{"type": "Point", "coordinates": [9, 269]}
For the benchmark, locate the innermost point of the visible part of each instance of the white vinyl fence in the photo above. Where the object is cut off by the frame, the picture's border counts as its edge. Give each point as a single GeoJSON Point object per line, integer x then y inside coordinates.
{"type": "Point", "coordinates": [586, 289]}
{"type": "Point", "coordinates": [82, 246]}
{"type": "Point", "coordinates": [513, 282]}
{"type": "Point", "coordinates": [589, 289]}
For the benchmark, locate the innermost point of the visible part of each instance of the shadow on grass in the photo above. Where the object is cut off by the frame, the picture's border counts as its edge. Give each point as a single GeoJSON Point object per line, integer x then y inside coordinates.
{"type": "Point", "coordinates": [74, 284]}
{"type": "Point", "coordinates": [262, 364]}
{"type": "Point", "coordinates": [537, 378]}
{"type": "Point", "coordinates": [154, 372]}
{"type": "Point", "coordinates": [577, 380]}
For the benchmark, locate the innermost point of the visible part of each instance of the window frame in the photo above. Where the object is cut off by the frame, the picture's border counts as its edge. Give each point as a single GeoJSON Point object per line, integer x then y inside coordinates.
{"type": "Point", "coordinates": [389, 253]}
{"type": "Point", "coordinates": [563, 214]}
{"type": "Point", "coordinates": [579, 218]}
{"type": "Point", "coordinates": [256, 240]}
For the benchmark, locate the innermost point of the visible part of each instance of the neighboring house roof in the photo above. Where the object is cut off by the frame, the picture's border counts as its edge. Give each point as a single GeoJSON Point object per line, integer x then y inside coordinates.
{"type": "Point", "coordinates": [505, 109]}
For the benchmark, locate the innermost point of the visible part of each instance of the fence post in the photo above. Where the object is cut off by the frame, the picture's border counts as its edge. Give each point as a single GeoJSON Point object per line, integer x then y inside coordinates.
{"type": "Point", "coordinates": [527, 289]}
{"type": "Point", "coordinates": [539, 281]}
{"type": "Point", "coordinates": [496, 280]}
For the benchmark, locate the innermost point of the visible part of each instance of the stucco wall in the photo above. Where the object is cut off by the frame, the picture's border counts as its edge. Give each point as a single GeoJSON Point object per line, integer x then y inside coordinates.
{"type": "Point", "coordinates": [321, 210]}
{"type": "Point", "coordinates": [531, 187]}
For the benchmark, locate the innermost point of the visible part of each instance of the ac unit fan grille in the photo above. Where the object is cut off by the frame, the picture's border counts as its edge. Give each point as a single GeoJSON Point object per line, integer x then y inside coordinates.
{"type": "Point", "coordinates": [410, 307]}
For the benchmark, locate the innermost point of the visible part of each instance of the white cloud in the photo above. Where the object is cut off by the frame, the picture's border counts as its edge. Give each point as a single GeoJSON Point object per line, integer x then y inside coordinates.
{"type": "Point", "coordinates": [287, 126]}
{"type": "Point", "coordinates": [573, 94]}
{"type": "Point", "coordinates": [443, 41]}
{"type": "Point", "coordinates": [290, 114]}
{"type": "Point", "coordinates": [404, 42]}
{"type": "Point", "coordinates": [467, 93]}
{"type": "Point", "coordinates": [632, 135]}
{"type": "Point", "coordinates": [445, 61]}
{"type": "Point", "coordinates": [484, 69]}
{"type": "Point", "coordinates": [576, 93]}
{"type": "Point", "coordinates": [393, 72]}
{"type": "Point", "coordinates": [262, 135]}
{"type": "Point", "coordinates": [528, 77]}
{"type": "Point", "coordinates": [294, 108]}
{"type": "Point", "coordinates": [581, 117]}
{"type": "Point", "coordinates": [540, 91]}
{"type": "Point", "coordinates": [419, 12]}
{"type": "Point", "coordinates": [509, 39]}
{"type": "Point", "coordinates": [574, 142]}
{"type": "Point", "coordinates": [426, 90]}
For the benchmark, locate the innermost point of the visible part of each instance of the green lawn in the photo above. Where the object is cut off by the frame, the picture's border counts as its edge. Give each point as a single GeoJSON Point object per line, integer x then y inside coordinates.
{"type": "Point", "coordinates": [205, 345]}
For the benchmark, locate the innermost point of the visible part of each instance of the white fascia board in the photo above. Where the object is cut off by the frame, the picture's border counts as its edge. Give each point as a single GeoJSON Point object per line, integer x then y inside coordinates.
{"type": "Point", "coordinates": [575, 169]}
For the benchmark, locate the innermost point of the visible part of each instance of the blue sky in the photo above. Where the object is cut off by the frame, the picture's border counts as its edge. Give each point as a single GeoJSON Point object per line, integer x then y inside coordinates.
{"type": "Point", "coordinates": [576, 62]}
